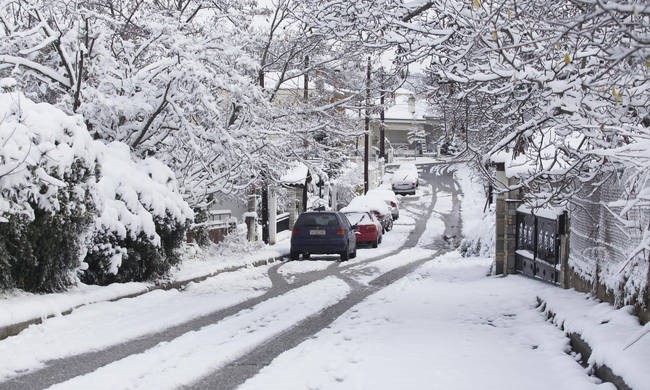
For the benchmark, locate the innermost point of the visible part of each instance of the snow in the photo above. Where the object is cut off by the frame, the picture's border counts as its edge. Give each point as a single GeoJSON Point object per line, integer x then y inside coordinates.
{"type": "Point", "coordinates": [545, 211]}
{"type": "Point", "coordinates": [126, 319]}
{"type": "Point", "coordinates": [443, 334]}
{"type": "Point", "coordinates": [194, 354]}
{"type": "Point", "coordinates": [15, 309]}
{"type": "Point", "coordinates": [616, 337]}
{"type": "Point", "coordinates": [407, 106]}
{"type": "Point", "coordinates": [41, 142]}
{"type": "Point", "coordinates": [296, 175]}
{"type": "Point", "coordinates": [477, 220]}
{"type": "Point", "coordinates": [446, 325]}
{"type": "Point", "coordinates": [19, 306]}
{"type": "Point", "coordinates": [363, 203]}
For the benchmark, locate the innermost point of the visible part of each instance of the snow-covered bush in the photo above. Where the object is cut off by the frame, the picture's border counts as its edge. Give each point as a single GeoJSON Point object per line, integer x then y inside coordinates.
{"type": "Point", "coordinates": [70, 203]}
{"type": "Point", "coordinates": [141, 222]}
{"type": "Point", "coordinates": [46, 182]}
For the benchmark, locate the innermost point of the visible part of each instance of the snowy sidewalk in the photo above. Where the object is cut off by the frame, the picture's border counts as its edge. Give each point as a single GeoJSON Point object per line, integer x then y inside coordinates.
{"type": "Point", "coordinates": [21, 310]}
{"type": "Point", "coordinates": [449, 326]}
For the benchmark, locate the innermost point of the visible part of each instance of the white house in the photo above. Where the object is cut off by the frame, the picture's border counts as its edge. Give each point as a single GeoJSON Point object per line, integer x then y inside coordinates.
{"type": "Point", "coordinates": [410, 124]}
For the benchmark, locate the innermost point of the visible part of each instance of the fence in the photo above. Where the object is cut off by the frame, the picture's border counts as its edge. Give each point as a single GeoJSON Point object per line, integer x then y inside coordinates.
{"type": "Point", "coordinates": [282, 222]}
{"type": "Point", "coordinates": [539, 241]}
{"type": "Point", "coordinates": [603, 239]}
{"type": "Point", "coordinates": [218, 225]}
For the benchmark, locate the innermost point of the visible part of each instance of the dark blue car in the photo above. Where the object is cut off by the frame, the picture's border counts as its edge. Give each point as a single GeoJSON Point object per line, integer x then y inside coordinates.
{"type": "Point", "coordinates": [323, 232]}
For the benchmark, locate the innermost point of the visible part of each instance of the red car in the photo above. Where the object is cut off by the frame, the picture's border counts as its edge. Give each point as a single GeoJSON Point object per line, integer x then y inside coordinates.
{"type": "Point", "coordinates": [370, 230]}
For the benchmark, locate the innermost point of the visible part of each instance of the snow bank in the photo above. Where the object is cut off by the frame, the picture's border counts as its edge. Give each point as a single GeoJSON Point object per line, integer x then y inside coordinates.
{"type": "Point", "coordinates": [478, 225]}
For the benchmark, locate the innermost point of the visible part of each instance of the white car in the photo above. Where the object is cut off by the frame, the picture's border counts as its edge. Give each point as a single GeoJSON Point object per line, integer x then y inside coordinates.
{"type": "Point", "coordinates": [374, 205]}
{"type": "Point", "coordinates": [388, 197]}
{"type": "Point", "coordinates": [404, 182]}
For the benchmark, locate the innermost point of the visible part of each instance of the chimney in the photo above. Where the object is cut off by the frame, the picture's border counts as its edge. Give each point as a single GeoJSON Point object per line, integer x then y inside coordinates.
{"type": "Point", "coordinates": [411, 104]}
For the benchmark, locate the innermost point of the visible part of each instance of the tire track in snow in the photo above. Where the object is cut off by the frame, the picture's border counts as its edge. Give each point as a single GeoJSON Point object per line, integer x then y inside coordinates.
{"type": "Point", "coordinates": [237, 372]}
{"type": "Point", "coordinates": [194, 354]}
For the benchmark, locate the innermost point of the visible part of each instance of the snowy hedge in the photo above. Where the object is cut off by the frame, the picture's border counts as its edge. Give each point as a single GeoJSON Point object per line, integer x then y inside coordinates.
{"type": "Point", "coordinates": [71, 204]}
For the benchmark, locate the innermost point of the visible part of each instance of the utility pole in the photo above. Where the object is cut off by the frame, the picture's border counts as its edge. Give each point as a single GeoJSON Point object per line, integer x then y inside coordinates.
{"type": "Point", "coordinates": [382, 128]}
{"type": "Point", "coordinates": [366, 138]}
{"type": "Point", "coordinates": [305, 94]}
{"type": "Point", "coordinates": [265, 189]}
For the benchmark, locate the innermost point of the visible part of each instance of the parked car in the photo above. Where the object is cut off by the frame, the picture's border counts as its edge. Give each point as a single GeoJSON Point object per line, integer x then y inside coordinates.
{"type": "Point", "coordinates": [408, 167]}
{"type": "Point", "coordinates": [391, 168]}
{"type": "Point", "coordinates": [369, 228]}
{"type": "Point", "coordinates": [374, 205]}
{"type": "Point", "coordinates": [388, 197]}
{"type": "Point", "coordinates": [323, 232]}
{"type": "Point", "coordinates": [404, 182]}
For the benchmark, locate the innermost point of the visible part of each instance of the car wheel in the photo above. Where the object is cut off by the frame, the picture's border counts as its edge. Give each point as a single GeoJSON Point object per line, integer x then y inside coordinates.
{"type": "Point", "coordinates": [306, 256]}
{"type": "Point", "coordinates": [294, 255]}
{"type": "Point", "coordinates": [354, 253]}
{"type": "Point", "coordinates": [376, 243]}
{"type": "Point", "coordinates": [345, 255]}
{"type": "Point", "coordinates": [381, 238]}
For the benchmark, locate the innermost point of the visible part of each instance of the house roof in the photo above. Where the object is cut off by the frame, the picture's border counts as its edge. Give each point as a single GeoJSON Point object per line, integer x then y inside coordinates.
{"type": "Point", "coordinates": [402, 109]}
{"type": "Point", "coordinates": [295, 175]}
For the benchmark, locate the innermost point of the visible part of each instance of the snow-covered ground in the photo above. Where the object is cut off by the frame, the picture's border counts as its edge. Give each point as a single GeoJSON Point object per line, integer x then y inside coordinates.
{"type": "Point", "coordinates": [16, 307]}
{"type": "Point", "coordinates": [445, 325]}
{"type": "Point", "coordinates": [195, 354]}
{"type": "Point", "coordinates": [126, 319]}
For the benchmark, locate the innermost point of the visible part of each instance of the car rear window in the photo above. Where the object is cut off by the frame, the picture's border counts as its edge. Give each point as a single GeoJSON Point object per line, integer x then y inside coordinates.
{"type": "Point", "coordinates": [317, 220]}
{"type": "Point", "coordinates": [356, 218]}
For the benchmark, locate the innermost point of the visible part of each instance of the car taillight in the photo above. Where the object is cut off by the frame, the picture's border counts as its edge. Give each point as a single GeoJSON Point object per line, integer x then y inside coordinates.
{"type": "Point", "coordinates": [393, 204]}
{"type": "Point", "coordinates": [413, 183]}
{"type": "Point", "coordinates": [371, 228]}
{"type": "Point", "coordinates": [340, 231]}
{"type": "Point", "coordinates": [294, 232]}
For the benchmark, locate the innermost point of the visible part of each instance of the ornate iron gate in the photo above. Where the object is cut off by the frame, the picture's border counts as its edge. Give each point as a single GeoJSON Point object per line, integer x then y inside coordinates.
{"type": "Point", "coordinates": [538, 246]}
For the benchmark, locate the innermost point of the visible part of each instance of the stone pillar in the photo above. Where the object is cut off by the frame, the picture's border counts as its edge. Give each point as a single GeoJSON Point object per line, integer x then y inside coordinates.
{"type": "Point", "coordinates": [273, 214]}
{"type": "Point", "coordinates": [296, 206]}
{"type": "Point", "coordinates": [564, 250]}
{"type": "Point", "coordinates": [506, 204]}
{"type": "Point", "coordinates": [251, 217]}
{"type": "Point", "coordinates": [500, 216]}
{"type": "Point", "coordinates": [510, 235]}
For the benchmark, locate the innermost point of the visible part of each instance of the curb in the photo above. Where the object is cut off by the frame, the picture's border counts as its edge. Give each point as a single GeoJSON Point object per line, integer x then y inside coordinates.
{"type": "Point", "coordinates": [579, 345]}
{"type": "Point", "coordinates": [14, 329]}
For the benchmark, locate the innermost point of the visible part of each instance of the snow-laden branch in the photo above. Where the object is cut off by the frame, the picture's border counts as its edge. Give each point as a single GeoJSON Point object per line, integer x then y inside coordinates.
{"type": "Point", "coordinates": [34, 66]}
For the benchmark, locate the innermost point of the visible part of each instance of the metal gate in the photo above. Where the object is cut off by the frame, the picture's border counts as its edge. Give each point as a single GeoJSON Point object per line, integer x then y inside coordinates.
{"type": "Point", "coordinates": [538, 246]}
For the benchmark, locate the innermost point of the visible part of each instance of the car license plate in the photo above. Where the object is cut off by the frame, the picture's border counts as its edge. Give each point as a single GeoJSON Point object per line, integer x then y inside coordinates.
{"type": "Point", "coordinates": [317, 232]}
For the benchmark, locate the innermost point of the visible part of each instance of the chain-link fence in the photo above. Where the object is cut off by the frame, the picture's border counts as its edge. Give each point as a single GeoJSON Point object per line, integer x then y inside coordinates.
{"type": "Point", "coordinates": [604, 242]}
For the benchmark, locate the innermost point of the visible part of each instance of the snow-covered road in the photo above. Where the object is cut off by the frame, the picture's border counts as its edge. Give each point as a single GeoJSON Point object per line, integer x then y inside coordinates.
{"type": "Point", "coordinates": [410, 314]}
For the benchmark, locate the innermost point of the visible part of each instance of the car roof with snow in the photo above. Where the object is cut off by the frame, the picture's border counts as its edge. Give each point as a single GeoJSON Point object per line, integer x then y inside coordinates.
{"type": "Point", "coordinates": [383, 193]}
{"type": "Point", "coordinates": [366, 203]}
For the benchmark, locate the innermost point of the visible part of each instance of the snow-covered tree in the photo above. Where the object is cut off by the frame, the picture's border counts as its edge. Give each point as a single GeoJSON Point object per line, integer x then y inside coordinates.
{"type": "Point", "coordinates": [70, 203]}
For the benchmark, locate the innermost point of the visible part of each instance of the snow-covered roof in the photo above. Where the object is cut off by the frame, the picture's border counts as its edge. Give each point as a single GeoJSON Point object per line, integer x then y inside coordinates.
{"type": "Point", "coordinates": [407, 106]}
{"type": "Point", "coordinates": [545, 211]}
{"type": "Point", "coordinates": [296, 175]}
